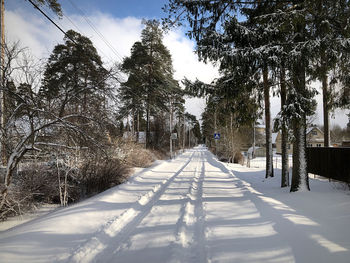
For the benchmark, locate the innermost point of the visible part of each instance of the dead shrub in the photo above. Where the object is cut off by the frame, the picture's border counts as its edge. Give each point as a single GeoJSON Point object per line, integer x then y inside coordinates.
{"type": "Point", "coordinates": [100, 175]}
{"type": "Point", "coordinates": [31, 186]}
{"type": "Point", "coordinates": [239, 158]}
{"type": "Point", "coordinates": [139, 157]}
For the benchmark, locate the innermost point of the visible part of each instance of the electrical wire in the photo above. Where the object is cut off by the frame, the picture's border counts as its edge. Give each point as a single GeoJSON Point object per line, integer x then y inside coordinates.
{"type": "Point", "coordinates": [44, 14]}
{"type": "Point", "coordinates": [91, 24]}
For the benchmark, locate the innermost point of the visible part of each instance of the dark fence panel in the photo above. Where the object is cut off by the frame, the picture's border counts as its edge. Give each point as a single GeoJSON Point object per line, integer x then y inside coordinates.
{"type": "Point", "coordinates": [329, 162]}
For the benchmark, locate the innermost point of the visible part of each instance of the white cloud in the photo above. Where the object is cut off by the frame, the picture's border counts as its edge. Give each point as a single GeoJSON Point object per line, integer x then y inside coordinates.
{"type": "Point", "coordinates": [185, 61]}
{"type": "Point", "coordinates": [186, 64]}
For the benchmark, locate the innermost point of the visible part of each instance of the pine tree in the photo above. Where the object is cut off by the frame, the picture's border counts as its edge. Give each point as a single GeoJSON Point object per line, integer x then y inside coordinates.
{"type": "Point", "coordinates": [74, 68]}
{"type": "Point", "coordinates": [150, 72]}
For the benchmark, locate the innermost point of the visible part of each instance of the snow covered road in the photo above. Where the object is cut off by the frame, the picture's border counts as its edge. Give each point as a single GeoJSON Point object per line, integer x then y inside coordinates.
{"type": "Point", "coordinates": [191, 209]}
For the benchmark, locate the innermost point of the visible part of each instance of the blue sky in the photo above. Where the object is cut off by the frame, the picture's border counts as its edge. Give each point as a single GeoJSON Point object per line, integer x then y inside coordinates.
{"type": "Point", "coordinates": [116, 8]}
{"type": "Point", "coordinates": [120, 8]}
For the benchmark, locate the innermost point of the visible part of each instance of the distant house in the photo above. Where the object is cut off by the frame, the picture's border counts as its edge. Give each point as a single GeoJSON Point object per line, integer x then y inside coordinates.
{"type": "Point", "coordinates": [314, 138]}
{"type": "Point", "coordinates": [139, 138]}
{"type": "Point", "coordinates": [260, 144]}
{"type": "Point", "coordinates": [260, 135]}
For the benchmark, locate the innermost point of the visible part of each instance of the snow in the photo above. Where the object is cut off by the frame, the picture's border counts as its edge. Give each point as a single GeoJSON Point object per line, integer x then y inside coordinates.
{"type": "Point", "coordinates": [192, 209]}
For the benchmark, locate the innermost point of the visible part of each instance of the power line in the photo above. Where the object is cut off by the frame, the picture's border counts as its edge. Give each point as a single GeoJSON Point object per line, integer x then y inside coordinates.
{"type": "Point", "coordinates": [43, 13]}
{"type": "Point", "coordinates": [97, 31]}
{"type": "Point", "coordinates": [60, 27]}
{"type": "Point", "coordinates": [82, 33]}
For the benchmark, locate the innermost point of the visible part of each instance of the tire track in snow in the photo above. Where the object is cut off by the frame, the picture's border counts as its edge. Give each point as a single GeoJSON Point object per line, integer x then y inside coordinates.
{"type": "Point", "coordinates": [184, 226]}
{"type": "Point", "coordinates": [190, 235]}
{"type": "Point", "coordinates": [119, 227]}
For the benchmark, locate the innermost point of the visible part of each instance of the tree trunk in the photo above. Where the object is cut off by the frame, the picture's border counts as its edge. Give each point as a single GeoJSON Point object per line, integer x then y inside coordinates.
{"type": "Point", "coordinates": [300, 179]}
{"type": "Point", "coordinates": [326, 110]}
{"type": "Point", "coordinates": [284, 146]}
{"type": "Point", "coordinates": [269, 154]}
{"type": "Point", "coordinates": [12, 163]}
{"type": "Point", "coordinates": [138, 126]}
{"type": "Point", "coordinates": [232, 139]}
{"type": "Point", "coordinates": [133, 124]}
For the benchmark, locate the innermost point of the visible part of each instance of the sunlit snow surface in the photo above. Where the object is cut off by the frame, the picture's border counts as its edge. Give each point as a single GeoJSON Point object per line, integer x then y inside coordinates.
{"type": "Point", "coordinates": [191, 209]}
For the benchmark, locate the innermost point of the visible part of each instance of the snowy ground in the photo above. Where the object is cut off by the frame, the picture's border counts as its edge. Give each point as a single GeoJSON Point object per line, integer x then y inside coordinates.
{"type": "Point", "coordinates": [260, 162]}
{"type": "Point", "coordinates": [191, 209]}
{"type": "Point", "coordinates": [17, 220]}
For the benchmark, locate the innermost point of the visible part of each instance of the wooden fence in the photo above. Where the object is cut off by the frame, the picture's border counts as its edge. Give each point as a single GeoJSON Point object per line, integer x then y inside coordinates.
{"type": "Point", "coordinates": [329, 162]}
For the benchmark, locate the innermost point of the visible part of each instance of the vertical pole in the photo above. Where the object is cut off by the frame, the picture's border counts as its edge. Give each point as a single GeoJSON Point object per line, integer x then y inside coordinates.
{"type": "Point", "coordinates": [215, 131]}
{"type": "Point", "coordinates": [189, 135]}
{"type": "Point", "coordinates": [253, 153]}
{"type": "Point", "coordinates": [184, 137]}
{"type": "Point", "coordinates": [138, 126]}
{"type": "Point", "coordinates": [170, 127]}
{"type": "Point", "coordinates": [2, 82]}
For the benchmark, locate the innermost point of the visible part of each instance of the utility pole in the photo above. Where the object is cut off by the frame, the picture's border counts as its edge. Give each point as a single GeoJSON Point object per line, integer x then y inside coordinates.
{"type": "Point", "coordinates": [2, 80]}
{"type": "Point", "coordinates": [171, 129]}
{"type": "Point", "coordinates": [189, 135]}
{"type": "Point", "coordinates": [184, 137]}
{"type": "Point", "coordinates": [215, 131]}
{"type": "Point", "coordinates": [253, 154]}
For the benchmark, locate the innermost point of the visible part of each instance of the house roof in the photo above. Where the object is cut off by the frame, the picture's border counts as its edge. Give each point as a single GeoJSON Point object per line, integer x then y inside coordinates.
{"type": "Point", "coordinates": [316, 140]}
{"type": "Point", "coordinates": [308, 130]}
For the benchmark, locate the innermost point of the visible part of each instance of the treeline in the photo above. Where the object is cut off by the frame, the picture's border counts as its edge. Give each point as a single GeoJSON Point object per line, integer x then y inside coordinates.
{"type": "Point", "coordinates": [264, 47]}
{"type": "Point", "coordinates": [64, 118]}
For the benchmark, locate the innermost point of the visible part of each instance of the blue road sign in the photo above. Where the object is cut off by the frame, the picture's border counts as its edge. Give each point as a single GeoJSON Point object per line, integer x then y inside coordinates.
{"type": "Point", "coordinates": [216, 136]}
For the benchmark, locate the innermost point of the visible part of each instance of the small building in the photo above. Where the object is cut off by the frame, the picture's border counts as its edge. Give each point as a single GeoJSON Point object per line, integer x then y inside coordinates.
{"type": "Point", "coordinates": [314, 138]}
{"type": "Point", "coordinates": [260, 152]}
{"type": "Point", "coordinates": [139, 137]}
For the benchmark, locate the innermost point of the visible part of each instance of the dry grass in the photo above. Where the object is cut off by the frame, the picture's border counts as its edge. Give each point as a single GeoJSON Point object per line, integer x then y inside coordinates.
{"type": "Point", "coordinates": [135, 155]}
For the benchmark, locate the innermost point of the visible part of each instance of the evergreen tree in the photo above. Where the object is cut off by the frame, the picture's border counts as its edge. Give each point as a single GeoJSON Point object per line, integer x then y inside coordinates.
{"type": "Point", "coordinates": [54, 5]}
{"type": "Point", "coordinates": [75, 68]}
{"type": "Point", "coordinates": [150, 72]}
{"type": "Point", "coordinates": [328, 29]}
{"type": "Point", "coordinates": [222, 38]}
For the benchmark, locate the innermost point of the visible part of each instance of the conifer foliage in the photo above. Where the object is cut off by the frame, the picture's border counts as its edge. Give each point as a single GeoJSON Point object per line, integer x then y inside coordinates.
{"type": "Point", "coordinates": [286, 43]}
{"type": "Point", "coordinates": [150, 88]}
